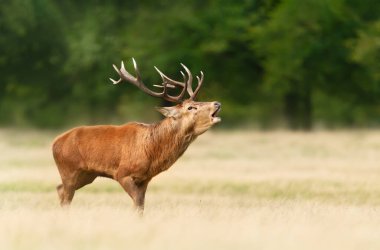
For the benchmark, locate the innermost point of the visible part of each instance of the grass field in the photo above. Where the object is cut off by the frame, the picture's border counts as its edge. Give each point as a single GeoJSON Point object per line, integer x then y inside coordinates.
{"type": "Point", "coordinates": [231, 190]}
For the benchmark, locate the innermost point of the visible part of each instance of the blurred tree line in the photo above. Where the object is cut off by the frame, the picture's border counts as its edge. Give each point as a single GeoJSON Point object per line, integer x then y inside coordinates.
{"type": "Point", "coordinates": [294, 63]}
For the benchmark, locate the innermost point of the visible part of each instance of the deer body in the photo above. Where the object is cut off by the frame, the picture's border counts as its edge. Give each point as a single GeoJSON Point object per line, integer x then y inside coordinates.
{"type": "Point", "coordinates": [134, 153]}
{"type": "Point", "coordinates": [138, 150]}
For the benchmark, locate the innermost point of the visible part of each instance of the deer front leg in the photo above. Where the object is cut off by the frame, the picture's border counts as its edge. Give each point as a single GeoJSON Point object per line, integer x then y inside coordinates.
{"type": "Point", "coordinates": [136, 191]}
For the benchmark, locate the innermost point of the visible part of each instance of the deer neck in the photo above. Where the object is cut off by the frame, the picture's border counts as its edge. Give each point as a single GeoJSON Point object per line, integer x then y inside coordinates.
{"type": "Point", "coordinates": [169, 140]}
{"type": "Point", "coordinates": [174, 135]}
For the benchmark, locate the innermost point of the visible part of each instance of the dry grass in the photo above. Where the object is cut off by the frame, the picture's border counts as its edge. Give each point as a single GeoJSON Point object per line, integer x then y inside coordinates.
{"type": "Point", "coordinates": [231, 190]}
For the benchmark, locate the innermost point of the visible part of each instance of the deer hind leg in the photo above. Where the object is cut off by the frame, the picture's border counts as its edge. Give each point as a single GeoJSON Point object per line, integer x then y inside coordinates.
{"type": "Point", "coordinates": [60, 192]}
{"type": "Point", "coordinates": [66, 190]}
{"type": "Point", "coordinates": [66, 194]}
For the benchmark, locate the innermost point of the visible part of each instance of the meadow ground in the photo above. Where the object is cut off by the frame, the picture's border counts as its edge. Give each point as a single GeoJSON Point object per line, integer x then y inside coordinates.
{"type": "Point", "coordinates": [231, 190]}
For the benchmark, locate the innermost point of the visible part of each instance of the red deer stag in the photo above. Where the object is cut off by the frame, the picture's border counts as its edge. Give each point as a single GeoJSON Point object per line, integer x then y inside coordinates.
{"type": "Point", "coordinates": [134, 153]}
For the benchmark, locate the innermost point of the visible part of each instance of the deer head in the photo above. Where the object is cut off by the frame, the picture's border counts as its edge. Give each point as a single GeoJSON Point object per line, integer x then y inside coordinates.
{"type": "Point", "coordinates": [192, 115]}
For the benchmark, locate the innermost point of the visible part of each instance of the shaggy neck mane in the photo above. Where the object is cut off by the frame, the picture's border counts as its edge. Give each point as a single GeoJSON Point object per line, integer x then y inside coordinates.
{"type": "Point", "coordinates": [168, 140]}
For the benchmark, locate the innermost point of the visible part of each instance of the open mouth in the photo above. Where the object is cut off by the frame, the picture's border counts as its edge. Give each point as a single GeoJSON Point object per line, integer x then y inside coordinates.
{"type": "Point", "coordinates": [214, 115]}
{"type": "Point", "coordinates": [216, 112]}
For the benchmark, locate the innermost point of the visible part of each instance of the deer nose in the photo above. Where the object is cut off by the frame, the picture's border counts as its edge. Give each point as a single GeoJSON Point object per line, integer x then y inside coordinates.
{"type": "Point", "coordinates": [217, 104]}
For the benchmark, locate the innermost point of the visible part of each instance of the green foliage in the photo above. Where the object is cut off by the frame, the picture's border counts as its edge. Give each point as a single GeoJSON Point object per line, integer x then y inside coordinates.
{"type": "Point", "coordinates": [366, 50]}
{"type": "Point", "coordinates": [304, 50]}
{"type": "Point", "coordinates": [268, 62]}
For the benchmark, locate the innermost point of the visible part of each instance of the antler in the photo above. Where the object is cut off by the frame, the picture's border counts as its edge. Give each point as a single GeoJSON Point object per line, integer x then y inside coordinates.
{"type": "Point", "coordinates": [137, 81]}
{"type": "Point", "coordinates": [189, 81]}
{"type": "Point", "coordinates": [166, 83]}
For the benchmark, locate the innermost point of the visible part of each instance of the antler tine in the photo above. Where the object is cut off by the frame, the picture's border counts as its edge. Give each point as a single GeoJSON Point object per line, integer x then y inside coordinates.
{"type": "Point", "coordinates": [117, 70]}
{"type": "Point", "coordinates": [167, 80]}
{"type": "Point", "coordinates": [167, 85]}
{"type": "Point", "coordinates": [136, 69]}
{"type": "Point", "coordinates": [189, 82]}
{"type": "Point", "coordinates": [163, 77]}
{"type": "Point", "coordinates": [180, 96]}
{"type": "Point", "coordinates": [137, 81]}
{"type": "Point", "coordinates": [125, 75]}
{"type": "Point", "coordinates": [200, 81]}
{"type": "Point", "coordinates": [114, 81]}
{"type": "Point", "coordinates": [192, 93]}
{"type": "Point", "coordinates": [184, 76]}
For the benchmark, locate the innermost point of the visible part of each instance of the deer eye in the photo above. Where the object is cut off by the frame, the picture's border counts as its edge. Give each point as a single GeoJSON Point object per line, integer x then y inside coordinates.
{"type": "Point", "coordinates": [190, 108]}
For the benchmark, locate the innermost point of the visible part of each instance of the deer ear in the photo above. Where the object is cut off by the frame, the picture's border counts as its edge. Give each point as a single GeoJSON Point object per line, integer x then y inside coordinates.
{"type": "Point", "coordinates": [168, 111]}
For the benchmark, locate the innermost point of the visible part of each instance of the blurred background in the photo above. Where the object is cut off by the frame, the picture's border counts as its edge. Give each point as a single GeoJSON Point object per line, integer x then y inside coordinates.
{"type": "Point", "coordinates": [298, 64]}
{"type": "Point", "coordinates": [279, 67]}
